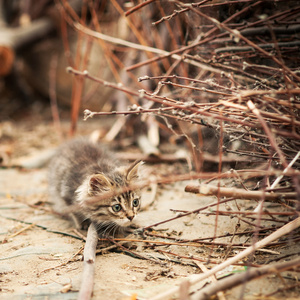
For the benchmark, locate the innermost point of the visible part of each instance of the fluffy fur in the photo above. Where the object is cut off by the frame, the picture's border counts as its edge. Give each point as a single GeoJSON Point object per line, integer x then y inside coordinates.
{"type": "Point", "coordinates": [80, 173]}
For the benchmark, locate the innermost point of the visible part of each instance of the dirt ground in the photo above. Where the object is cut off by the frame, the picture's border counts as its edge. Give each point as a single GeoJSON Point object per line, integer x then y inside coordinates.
{"type": "Point", "coordinates": [41, 255]}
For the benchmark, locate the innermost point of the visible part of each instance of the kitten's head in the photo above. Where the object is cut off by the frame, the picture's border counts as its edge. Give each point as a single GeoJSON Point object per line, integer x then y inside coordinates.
{"type": "Point", "coordinates": [117, 209]}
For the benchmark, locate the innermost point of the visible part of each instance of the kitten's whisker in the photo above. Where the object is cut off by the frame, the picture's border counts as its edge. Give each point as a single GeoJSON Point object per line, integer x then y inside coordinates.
{"type": "Point", "coordinates": [85, 219]}
{"type": "Point", "coordinates": [116, 227]}
{"type": "Point", "coordinates": [107, 229]}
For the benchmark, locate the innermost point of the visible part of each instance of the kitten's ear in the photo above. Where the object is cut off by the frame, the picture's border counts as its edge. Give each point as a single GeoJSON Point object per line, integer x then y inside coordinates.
{"type": "Point", "coordinates": [99, 183]}
{"type": "Point", "coordinates": [132, 171]}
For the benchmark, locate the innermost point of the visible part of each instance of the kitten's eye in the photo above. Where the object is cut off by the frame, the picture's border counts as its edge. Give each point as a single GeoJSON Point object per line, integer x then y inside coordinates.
{"type": "Point", "coordinates": [135, 202]}
{"type": "Point", "coordinates": [116, 207]}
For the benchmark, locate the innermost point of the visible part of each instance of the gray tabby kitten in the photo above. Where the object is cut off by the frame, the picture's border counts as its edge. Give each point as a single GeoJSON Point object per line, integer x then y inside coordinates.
{"type": "Point", "coordinates": [79, 173]}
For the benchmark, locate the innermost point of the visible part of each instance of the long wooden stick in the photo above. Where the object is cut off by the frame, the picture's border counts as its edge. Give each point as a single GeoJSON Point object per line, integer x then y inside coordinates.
{"type": "Point", "coordinates": [13, 38]}
{"type": "Point", "coordinates": [87, 284]}
{"type": "Point", "coordinates": [237, 193]}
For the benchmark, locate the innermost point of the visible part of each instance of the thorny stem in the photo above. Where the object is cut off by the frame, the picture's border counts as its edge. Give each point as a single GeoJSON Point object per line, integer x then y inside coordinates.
{"type": "Point", "coordinates": [190, 107]}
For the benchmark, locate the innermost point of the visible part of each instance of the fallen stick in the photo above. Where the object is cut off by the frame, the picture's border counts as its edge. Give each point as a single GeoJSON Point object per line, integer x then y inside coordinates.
{"type": "Point", "coordinates": [237, 279]}
{"type": "Point", "coordinates": [13, 38]}
{"type": "Point", "coordinates": [21, 231]}
{"type": "Point", "coordinates": [238, 193]}
{"type": "Point", "coordinates": [197, 278]}
{"type": "Point", "coordinates": [87, 284]}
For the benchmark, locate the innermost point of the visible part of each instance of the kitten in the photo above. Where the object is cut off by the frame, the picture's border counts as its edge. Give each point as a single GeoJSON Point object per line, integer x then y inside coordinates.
{"type": "Point", "coordinates": [82, 171]}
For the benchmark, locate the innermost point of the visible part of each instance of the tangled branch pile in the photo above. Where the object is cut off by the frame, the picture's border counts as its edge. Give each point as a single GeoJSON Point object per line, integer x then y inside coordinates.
{"type": "Point", "coordinates": [229, 66]}
{"type": "Point", "coordinates": [232, 66]}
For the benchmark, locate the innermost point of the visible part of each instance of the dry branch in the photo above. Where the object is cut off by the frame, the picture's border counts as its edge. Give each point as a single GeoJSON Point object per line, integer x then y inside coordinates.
{"type": "Point", "coordinates": [89, 254]}
{"type": "Point", "coordinates": [235, 33]}
{"type": "Point", "coordinates": [237, 279]}
{"type": "Point", "coordinates": [220, 293]}
{"type": "Point", "coordinates": [197, 278]}
{"type": "Point", "coordinates": [13, 38]}
{"type": "Point", "coordinates": [131, 45]}
{"type": "Point", "coordinates": [238, 193]}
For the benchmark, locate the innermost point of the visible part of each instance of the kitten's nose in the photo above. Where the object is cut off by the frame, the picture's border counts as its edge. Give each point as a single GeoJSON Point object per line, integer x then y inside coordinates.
{"type": "Point", "coordinates": [130, 217]}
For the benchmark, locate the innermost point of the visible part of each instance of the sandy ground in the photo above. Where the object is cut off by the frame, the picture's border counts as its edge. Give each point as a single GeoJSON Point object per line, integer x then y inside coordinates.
{"type": "Point", "coordinates": [41, 255]}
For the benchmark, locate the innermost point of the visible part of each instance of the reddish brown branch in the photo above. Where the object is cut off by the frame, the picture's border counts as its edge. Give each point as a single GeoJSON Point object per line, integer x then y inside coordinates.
{"type": "Point", "coordinates": [268, 132]}
{"type": "Point", "coordinates": [137, 7]}
{"type": "Point", "coordinates": [239, 36]}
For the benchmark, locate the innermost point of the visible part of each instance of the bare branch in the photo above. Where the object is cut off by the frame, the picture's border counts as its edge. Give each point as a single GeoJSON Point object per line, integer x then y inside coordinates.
{"type": "Point", "coordinates": [197, 278]}
{"type": "Point", "coordinates": [89, 254]}
{"type": "Point", "coordinates": [237, 193]}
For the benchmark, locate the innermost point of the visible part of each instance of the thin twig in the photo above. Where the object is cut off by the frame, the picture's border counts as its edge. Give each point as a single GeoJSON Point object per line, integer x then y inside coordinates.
{"type": "Point", "coordinates": [65, 262]}
{"type": "Point", "coordinates": [219, 293]}
{"type": "Point", "coordinates": [247, 276]}
{"type": "Point", "coordinates": [273, 236]}
{"type": "Point", "coordinates": [20, 231]}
